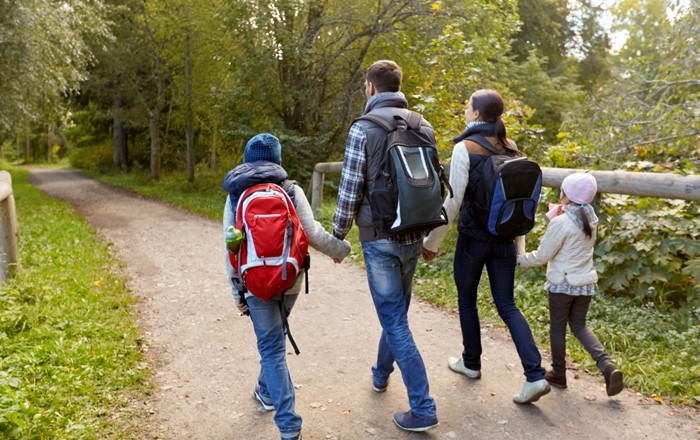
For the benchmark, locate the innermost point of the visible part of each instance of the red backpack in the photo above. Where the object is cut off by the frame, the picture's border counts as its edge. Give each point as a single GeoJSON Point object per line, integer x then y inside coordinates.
{"type": "Point", "coordinates": [275, 246]}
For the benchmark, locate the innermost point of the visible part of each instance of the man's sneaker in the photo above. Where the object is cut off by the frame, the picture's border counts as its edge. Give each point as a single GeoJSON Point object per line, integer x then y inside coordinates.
{"type": "Point", "coordinates": [532, 391]}
{"type": "Point", "coordinates": [555, 380]}
{"type": "Point", "coordinates": [410, 422]}
{"type": "Point", "coordinates": [457, 365]}
{"type": "Point", "coordinates": [613, 380]}
{"type": "Point", "coordinates": [379, 386]}
{"type": "Point", "coordinates": [264, 400]}
{"type": "Point", "coordinates": [296, 437]}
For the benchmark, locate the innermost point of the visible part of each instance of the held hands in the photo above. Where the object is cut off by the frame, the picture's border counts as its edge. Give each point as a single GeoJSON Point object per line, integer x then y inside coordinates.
{"type": "Point", "coordinates": [428, 254]}
{"type": "Point", "coordinates": [348, 248]}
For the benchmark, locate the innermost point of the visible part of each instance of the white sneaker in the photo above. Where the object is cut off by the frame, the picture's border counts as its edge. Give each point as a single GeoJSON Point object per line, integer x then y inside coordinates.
{"type": "Point", "coordinates": [532, 391]}
{"type": "Point", "coordinates": [457, 365]}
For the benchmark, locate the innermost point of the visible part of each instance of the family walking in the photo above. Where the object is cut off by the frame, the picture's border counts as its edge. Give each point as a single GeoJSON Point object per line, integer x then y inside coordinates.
{"type": "Point", "coordinates": [390, 150]}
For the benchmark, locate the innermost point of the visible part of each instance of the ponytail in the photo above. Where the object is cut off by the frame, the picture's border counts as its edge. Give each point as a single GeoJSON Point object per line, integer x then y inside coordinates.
{"type": "Point", "coordinates": [585, 221]}
{"type": "Point", "coordinates": [501, 130]}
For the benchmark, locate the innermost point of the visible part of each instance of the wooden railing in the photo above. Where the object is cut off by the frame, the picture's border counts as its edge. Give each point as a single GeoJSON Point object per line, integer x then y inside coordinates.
{"type": "Point", "coordinates": [8, 228]}
{"type": "Point", "coordinates": [661, 185]}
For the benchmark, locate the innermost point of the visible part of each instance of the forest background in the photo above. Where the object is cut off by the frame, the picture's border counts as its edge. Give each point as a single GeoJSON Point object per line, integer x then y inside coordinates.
{"type": "Point", "coordinates": [165, 94]}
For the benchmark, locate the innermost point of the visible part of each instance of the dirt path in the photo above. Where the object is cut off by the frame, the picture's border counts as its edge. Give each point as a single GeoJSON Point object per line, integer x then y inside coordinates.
{"type": "Point", "coordinates": [206, 362]}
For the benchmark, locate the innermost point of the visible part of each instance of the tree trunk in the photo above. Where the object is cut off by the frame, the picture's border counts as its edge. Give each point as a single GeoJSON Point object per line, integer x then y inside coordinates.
{"type": "Point", "coordinates": [120, 148]}
{"type": "Point", "coordinates": [49, 147]}
{"type": "Point", "coordinates": [155, 144]}
{"type": "Point", "coordinates": [188, 98]}
{"type": "Point", "coordinates": [27, 147]}
{"type": "Point", "coordinates": [212, 156]}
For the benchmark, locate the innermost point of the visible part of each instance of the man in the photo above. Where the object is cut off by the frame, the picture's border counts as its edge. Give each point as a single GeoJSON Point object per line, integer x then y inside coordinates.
{"type": "Point", "coordinates": [390, 259]}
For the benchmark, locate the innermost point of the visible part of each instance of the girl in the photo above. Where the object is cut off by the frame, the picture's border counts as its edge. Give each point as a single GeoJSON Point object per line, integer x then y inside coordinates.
{"type": "Point", "coordinates": [567, 248]}
{"type": "Point", "coordinates": [476, 249]}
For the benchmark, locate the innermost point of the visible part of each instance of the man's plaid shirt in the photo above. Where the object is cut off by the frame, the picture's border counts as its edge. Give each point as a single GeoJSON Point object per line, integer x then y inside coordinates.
{"type": "Point", "coordinates": [352, 185]}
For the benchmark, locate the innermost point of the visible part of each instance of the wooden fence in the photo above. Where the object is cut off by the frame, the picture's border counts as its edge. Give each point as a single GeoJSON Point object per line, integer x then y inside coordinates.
{"type": "Point", "coordinates": [8, 228]}
{"type": "Point", "coordinates": [661, 185]}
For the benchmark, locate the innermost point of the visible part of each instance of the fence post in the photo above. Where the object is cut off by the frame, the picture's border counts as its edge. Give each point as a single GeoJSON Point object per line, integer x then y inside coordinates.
{"type": "Point", "coordinates": [320, 171]}
{"type": "Point", "coordinates": [9, 229]}
{"type": "Point", "coordinates": [317, 190]}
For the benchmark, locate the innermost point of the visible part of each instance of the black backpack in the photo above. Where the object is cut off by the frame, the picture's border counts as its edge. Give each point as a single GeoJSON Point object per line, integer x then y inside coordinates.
{"type": "Point", "coordinates": [505, 201]}
{"type": "Point", "coordinates": [410, 187]}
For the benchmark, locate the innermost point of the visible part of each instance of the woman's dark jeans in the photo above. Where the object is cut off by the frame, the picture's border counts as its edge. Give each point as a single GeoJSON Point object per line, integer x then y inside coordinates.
{"type": "Point", "coordinates": [499, 258]}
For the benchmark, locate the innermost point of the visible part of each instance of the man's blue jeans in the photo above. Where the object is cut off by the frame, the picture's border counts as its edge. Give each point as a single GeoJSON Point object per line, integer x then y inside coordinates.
{"type": "Point", "coordinates": [499, 258]}
{"type": "Point", "coordinates": [274, 379]}
{"type": "Point", "coordinates": [390, 269]}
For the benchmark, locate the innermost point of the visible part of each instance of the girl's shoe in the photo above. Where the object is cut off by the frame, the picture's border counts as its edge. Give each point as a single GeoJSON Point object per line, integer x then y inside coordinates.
{"type": "Point", "coordinates": [555, 380]}
{"type": "Point", "coordinates": [613, 380]}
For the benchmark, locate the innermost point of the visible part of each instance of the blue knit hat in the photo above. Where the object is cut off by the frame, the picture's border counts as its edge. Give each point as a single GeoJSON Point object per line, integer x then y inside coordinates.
{"type": "Point", "coordinates": [263, 146]}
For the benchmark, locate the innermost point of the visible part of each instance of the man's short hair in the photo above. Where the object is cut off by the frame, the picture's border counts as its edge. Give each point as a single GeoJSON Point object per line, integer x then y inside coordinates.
{"type": "Point", "coordinates": [386, 76]}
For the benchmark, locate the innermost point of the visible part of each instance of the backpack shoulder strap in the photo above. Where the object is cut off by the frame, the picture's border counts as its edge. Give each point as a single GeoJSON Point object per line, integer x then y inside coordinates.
{"type": "Point", "coordinates": [414, 120]}
{"type": "Point", "coordinates": [288, 187]}
{"type": "Point", "coordinates": [481, 140]}
{"type": "Point", "coordinates": [386, 125]}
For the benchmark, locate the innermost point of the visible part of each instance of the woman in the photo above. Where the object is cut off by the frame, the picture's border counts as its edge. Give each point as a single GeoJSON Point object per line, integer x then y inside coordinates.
{"type": "Point", "coordinates": [477, 248]}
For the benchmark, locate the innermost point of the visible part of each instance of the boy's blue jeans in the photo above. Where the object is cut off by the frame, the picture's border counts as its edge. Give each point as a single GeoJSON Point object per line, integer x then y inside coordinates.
{"type": "Point", "coordinates": [499, 258]}
{"type": "Point", "coordinates": [274, 379]}
{"type": "Point", "coordinates": [390, 269]}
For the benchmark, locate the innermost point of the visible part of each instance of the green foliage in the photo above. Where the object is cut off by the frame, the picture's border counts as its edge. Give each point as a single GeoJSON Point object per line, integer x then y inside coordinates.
{"type": "Point", "coordinates": [96, 157]}
{"type": "Point", "coordinates": [70, 358]}
{"type": "Point", "coordinates": [43, 56]}
{"type": "Point", "coordinates": [651, 253]}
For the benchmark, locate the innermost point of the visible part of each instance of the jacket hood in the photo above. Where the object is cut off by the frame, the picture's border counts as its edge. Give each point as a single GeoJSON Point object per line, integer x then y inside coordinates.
{"type": "Point", "coordinates": [248, 174]}
{"type": "Point", "coordinates": [386, 99]}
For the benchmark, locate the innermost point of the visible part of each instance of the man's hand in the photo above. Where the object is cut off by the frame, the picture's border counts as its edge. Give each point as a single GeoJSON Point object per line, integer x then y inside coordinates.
{"type": "Point", "coordinates": [427, 254]}
{"type": "Point", "coordinates": [242, 307]}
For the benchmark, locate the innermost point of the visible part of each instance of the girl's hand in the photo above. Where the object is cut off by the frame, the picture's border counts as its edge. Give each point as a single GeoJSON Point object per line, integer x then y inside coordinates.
{"type": "Point", "coordinates": [554, 210]}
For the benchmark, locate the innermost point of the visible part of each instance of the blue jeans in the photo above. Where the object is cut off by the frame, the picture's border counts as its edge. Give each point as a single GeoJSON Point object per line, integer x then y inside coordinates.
{"type": "Point", "coordinates": [390, 268]}
{"type": "Point", "coordinates": [499, 258]}
{"type": "Point", "coordinates": [274, 379]}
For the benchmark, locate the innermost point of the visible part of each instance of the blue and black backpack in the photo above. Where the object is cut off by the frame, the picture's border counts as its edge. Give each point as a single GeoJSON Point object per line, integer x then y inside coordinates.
{"type": "Point", "coordinates": [505, 202]}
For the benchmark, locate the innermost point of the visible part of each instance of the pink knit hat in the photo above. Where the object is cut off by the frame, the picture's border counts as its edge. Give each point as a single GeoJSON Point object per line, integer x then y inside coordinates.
{"type": "Point", "coordinates": [580, 188]}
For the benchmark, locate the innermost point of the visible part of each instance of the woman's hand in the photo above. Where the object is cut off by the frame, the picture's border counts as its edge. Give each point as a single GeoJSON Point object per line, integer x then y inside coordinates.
{"type": "Point", "coordinates": [428, 254]}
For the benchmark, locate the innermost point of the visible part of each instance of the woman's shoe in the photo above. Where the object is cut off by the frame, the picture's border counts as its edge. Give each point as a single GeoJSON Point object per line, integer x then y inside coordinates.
{"type": "Point", "coordinates": [613, 380]}
{"type": "Point", "coordinates": [457, 365]}
{"type": "Point", "coordinates": [532, 391]}
{"type": "Point", "coordinates": [555, 380]}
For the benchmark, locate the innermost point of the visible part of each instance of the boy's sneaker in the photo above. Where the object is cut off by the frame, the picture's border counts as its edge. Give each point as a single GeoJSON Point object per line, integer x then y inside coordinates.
{"type": "Point", "coordinates": [410, 422]}
{"type": "Point", "coordinates": [297, 437]}
{"type": "Point", "coordinates": [457, 365]}
{"type": "Point", "coordinates": [379, 386]}
{"type": "Point", "coordinates": [555, 380]}
{"type": "Point", "coordinates": [532, 391]}
{"type": "Point", "coordinates": [264, 400]}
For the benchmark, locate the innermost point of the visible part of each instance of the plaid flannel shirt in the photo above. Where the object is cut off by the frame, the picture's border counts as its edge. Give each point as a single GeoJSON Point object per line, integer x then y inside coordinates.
{"type": "Point", "coordinates": [352, 184]}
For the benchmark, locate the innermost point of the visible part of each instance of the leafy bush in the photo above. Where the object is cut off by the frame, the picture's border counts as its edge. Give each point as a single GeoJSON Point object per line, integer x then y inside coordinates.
{"type": "Point", "coordinates": [648, 251]}
{"type": "Point", "coordinates": [99, 157]}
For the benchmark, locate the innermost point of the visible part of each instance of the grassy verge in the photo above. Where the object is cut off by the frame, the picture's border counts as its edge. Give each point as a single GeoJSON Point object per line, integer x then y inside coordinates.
{"type": "Point", "coordinates": [70, 357]}
{"type": "Point", "coordinates": [658, 352]}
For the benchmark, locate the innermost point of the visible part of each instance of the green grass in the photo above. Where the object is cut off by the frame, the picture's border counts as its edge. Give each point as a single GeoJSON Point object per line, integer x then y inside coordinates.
{"type": "Point", "coordinates": [71, 363]}
{"type": "Point", "coordinates": [658, 352]}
